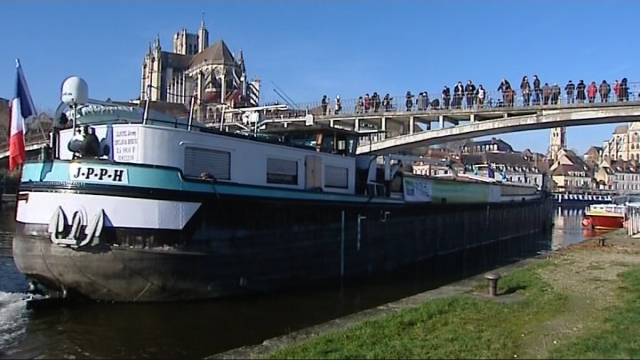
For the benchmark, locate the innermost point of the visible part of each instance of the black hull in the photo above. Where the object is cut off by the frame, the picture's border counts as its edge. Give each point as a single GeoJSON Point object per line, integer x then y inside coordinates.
{"type": "Point", "coordinates": [238, 245]}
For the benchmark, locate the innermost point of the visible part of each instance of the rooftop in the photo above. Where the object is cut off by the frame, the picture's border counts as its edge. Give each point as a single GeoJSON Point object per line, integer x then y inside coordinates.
{"type": "Point", "coordinates": [216, 54]}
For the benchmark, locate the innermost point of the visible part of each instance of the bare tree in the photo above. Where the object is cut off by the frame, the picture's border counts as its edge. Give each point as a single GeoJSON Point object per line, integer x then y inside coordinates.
{"type": "Point", "coordinates": [455, 146]}
{"type": "Point", "coordinates": [4, 121]}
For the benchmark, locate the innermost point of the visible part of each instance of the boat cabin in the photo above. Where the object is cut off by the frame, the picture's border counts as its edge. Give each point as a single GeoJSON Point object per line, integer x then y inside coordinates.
{"type": "Point", "coordinates": [315, 157]}
{"type": "Point", "coordinates": [322, 138]}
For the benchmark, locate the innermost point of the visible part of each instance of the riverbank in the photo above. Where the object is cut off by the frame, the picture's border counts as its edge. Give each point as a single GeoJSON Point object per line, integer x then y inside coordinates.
{"type": "Point", "coordinates": [572, 303]}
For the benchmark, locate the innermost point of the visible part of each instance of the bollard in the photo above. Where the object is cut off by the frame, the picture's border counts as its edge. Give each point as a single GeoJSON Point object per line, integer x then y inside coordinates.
{"type": "Point", "coordinates": [601, 241]}
{"type": "Point", "coordinates": [492, 279]}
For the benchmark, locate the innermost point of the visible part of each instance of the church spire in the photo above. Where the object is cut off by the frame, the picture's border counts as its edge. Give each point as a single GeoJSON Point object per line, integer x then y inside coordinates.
{"type": "Point", "coordinates": [241, 61]}
{"type": "Point", "coordinates": [203, 36]}
{"type": "Point", "coordinates": [156, 45]}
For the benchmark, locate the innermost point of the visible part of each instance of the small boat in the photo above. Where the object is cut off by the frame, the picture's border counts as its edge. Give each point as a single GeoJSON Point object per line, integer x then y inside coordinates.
{"type": "Point", "coordinates": [605, 216]}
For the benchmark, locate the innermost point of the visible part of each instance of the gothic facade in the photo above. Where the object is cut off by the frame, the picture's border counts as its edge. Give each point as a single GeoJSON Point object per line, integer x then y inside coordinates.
{"type": "Point", "coordinates": [624, 143]}
{"type": "Point", "coordinates": [209, 77]}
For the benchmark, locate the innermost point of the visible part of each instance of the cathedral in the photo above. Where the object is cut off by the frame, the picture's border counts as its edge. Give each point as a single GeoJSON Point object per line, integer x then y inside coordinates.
{"type": "Point", "coordinates": [210, 76]}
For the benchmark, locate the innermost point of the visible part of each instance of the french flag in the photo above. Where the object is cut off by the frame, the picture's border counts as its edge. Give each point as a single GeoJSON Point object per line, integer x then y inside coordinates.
{"type": "Point", "coordinates": [21, 108]}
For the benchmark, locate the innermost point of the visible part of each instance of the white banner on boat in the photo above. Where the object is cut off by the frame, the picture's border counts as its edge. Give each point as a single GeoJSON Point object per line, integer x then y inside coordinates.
{"type": "Point", "coordinates": [417, 190]}
{"type": "Point", "coordinates": [125, 145]}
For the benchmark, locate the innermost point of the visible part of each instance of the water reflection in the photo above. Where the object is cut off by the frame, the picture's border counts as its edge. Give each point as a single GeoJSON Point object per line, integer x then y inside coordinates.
{"type": "Point", "coordinates": [568, 227]}
{"type": "Point", "coordinates": [204, 328]}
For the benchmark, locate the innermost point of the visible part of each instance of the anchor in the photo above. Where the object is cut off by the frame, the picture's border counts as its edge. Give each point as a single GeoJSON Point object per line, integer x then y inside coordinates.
{"type": "Point", "coordinates": [75, 238]}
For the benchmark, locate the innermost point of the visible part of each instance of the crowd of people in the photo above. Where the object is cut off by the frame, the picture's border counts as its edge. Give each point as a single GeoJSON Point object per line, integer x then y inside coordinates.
{"type": "Point", "coordinates": [470, 96]}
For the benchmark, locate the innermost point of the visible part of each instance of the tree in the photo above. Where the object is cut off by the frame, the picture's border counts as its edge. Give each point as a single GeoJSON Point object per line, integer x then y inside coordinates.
{"type": "Point", "coordinates": [455, 146]}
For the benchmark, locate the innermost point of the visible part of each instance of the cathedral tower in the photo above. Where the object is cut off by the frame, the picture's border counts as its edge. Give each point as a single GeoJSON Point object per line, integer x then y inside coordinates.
{"type": "Point", "coordinates": [203, 36]}
{"type": "Point", "coordinates": [152, 72]}
{"type": "Point", "coordinates": [557, 142]}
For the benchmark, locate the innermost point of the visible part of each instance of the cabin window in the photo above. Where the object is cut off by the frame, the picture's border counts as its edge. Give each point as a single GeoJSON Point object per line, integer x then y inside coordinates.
{"type": "Point", "coordinates": [327, 144]}
{"type": "Point", "coordinates": [353, 144]}
{"type": "Point", "coordinates": [214, 162]}
{"type": "Point", "coordinates": [281, 171]}
{"type": "Point", "coordinates": [336, 177]}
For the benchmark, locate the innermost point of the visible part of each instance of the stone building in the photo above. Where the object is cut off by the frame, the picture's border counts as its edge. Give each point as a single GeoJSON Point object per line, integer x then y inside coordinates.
{"type": "Point", "coordinates": [557, 143]}
{"type": "Point", "coordinates": [593, 156]}
{"type": "Point", "coordinates": [571, 173]}
{"type": "Point", "coordinates": [210, 73]}
{"type": "Point", "coordinates": [481, 146]}
{"type": "Point", "coordinates": [624, 143]}
{"type": "Point", "coordinates": [619, 175]}
{"type": "Point", "coordinates": [520, 167]}
{"type": "Point", "coordinates": [497, 158]}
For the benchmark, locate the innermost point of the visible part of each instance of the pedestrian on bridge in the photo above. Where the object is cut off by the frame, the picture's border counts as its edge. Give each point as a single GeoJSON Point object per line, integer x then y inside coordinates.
{"type": "Point", "coordinates": [580, 90]}
{"type": "Point", "coordinates": [624, 90]}
{"type": "Point", "coordinates": [505, 88]}
{"type": "Point", "coordinates": [446, 97]}
{"type": "Point", "coordinates": [359, 105]}
{"type": "Point", "coordinates": [481, 94]}
{"type": "Point", "coordinates": [570, 89]}
{"type": "Point", "coordinates": [386, 103]}
{"type": "Point", "coordinates": [546, 94]}
{"type": "Point", "coordinates": [555, 94]}
{"type": "Point", "coordinates": [592, 90]}
{"type": "Point", "coordinates": [605, 90]}
{"type": "Point", "coordinates": [338, 105]}
{"type": "Point", "coordinates": [537, 90]}
{"type": "Point", "coordinates": [470, 92]}
{"type": "Point", "coordinates": [409, 102]}
{"type": "Point", "coordinates": [458, 95]}
{"type": "Point", "coordinates": [375, 101]}
{"type": "Point", "coordinates": [525, 87]}
{"type": "Point", "coordinates": [325, 103]}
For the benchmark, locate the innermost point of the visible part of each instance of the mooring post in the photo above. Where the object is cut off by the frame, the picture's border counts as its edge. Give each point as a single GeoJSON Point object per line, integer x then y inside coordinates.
{"type": "Point", "coordinates": [342, 253]}
{"type": "Point", "coordinates": [492, 279]}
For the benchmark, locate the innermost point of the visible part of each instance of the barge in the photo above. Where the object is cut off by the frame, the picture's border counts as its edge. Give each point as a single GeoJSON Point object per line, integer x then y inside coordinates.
{"type": "Point", "coordinates": [130, 205]}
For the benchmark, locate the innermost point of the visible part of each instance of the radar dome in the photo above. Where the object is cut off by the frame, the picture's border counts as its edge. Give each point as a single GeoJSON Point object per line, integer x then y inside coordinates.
{"type": "Point", "coordinates": [75, 91]}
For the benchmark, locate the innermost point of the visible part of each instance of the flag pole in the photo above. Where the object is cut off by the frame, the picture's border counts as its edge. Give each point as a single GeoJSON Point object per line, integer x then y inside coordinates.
{"type": "Point", "coordinates": [24, 96]}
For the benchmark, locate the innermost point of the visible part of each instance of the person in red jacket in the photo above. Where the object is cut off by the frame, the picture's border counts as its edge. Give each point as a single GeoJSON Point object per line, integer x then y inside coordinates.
{"type": "Point", "coordinates": [592, 90]}
{"type": "Point", "coordinates": [616, 90]}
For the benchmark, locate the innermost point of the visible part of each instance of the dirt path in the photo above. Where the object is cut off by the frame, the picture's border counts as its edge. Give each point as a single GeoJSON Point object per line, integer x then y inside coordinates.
{"type": "Point", "coordinates": [586, 273]}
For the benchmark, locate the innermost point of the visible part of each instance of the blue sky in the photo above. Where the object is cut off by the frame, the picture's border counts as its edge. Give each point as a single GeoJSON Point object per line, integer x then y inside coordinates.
{"type": "Point", "coordinates": [312, 48]}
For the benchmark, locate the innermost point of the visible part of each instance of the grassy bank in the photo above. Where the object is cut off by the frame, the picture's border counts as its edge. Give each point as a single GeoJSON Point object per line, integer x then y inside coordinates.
{"type": "Point", "coordinates": [581, 302]}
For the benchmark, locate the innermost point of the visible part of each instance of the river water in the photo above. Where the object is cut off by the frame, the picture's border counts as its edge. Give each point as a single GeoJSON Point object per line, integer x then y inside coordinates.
{"type": "Point", "coordinates": [195, 330]}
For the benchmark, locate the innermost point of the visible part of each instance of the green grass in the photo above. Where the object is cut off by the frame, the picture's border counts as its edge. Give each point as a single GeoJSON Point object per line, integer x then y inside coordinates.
{"type": "Point", "coordinates": [453, 327]}
{"type": "Point", "coordinates": [619, 336]}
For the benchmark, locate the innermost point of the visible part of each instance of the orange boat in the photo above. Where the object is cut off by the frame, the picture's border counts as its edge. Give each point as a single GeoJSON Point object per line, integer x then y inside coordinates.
{"type": "Point", "coordinates": [605, 217]}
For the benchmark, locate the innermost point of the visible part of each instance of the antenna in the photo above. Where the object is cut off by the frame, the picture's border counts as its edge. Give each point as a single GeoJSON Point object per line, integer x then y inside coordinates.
{"type": "Point", "coordinates": [145, 114]}
{"type": "Point", "coordinates": [284, 99]}
{"type": "Point", "coordinates": [193, 104]}
{"type": "Point", "coordinates": [285, 96]}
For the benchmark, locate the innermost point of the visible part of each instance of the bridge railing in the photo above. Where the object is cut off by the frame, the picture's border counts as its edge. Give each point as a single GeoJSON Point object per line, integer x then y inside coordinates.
{"type": "Point", "coordinates": [493, 100]}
